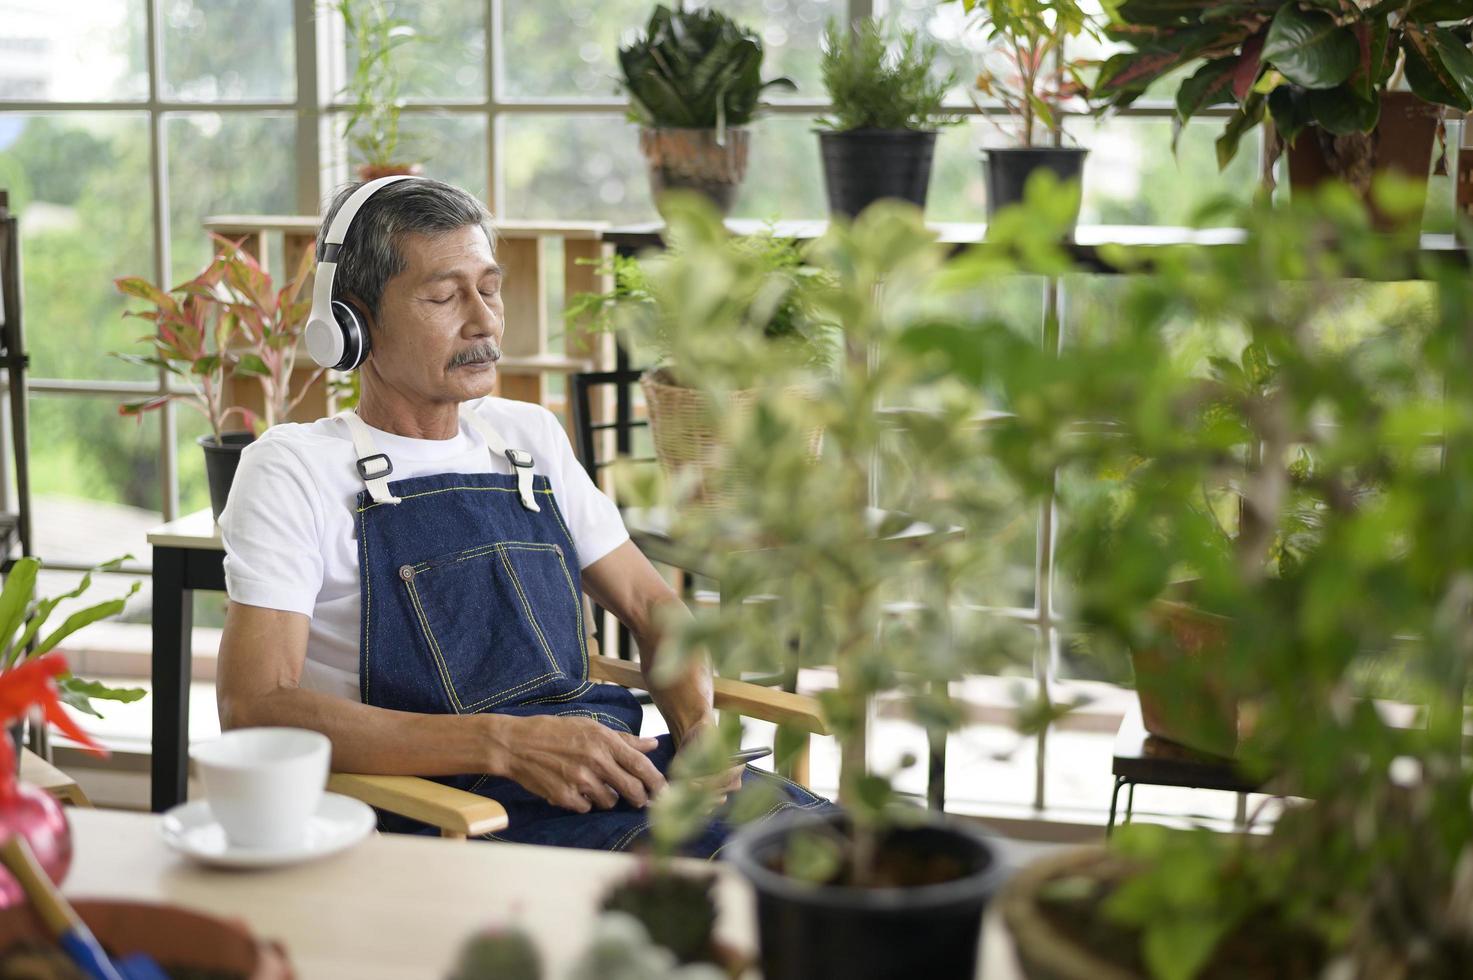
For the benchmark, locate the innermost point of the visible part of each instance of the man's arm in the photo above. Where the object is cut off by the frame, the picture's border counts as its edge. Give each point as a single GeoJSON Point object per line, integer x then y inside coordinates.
{"type": "Point", "coordinates": [625, 583]}
{"type": "Point", "coordinates": [574, 763]}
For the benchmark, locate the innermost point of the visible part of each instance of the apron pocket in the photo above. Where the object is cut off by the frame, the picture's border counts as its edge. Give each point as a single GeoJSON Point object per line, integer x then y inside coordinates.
{"type": "Point", "coordinates": [503, 623]}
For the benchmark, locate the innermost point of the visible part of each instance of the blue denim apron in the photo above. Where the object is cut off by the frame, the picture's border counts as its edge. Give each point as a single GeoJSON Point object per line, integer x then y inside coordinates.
{"type": "Point", "coordinates": [472, 602]}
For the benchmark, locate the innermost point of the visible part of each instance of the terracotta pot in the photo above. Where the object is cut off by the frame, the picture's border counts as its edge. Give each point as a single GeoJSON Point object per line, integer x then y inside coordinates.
{"type": "Point", "coordinates": [1046, 952]}
{"type": "Point", "coordinates": [368, 171]}
{"type": "Point", "coordinates": [173, 936]}
{"type": "Point", "coordinates": [691, 159]}
{"type": "Point", "coordinates": [1401, 143]}
{"type": "Point", "coordinates": [1182, 699]}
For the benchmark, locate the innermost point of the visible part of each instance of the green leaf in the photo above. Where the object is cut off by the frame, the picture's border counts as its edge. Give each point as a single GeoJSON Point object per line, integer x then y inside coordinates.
{"type": "Point", "coordinates": [1309, 48]}
{"type": "Point", "coordinates": [1178, 949]}
{"type": "Point", "coordinates": [252, 366]}
{"type": "Point", "coordinates": [1290, 110]}
{"type": "Point", "coordinates": [1341, 111]}
{"type": "Point", "coordinates": [79, 693]}
{"type": "Point", "coordinates": [80, 619]}
{"type": "Point", "coordinates": [1209, 85]}
{"type": "Point", "coordinates": [1456, 58]}
{"type": "Point", "coordinates": [1428, 75]}
{"type": "Point", "coordinates": [20, 586]}
{"type": "Point", "coordinates": [1249, 114]}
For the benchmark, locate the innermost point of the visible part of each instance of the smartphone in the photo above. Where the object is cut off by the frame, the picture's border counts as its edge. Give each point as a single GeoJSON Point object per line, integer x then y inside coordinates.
{"type": "Point", "coordinates": [744, 756]}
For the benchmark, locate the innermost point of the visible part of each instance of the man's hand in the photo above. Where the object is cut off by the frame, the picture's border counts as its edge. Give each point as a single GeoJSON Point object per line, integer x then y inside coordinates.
{"type": "Point", "coordinates": [723, 783]}
{"type": "Point", "coordinates": [579, 764]}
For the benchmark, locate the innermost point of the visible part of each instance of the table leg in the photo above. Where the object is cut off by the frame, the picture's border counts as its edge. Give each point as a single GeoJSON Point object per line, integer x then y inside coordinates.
{"type": "Point", "coordinates": [936, 771]}
{"type": "Point", "coordinates": [1114, 799]}
{"type": "Point", "coordinates": [1130, 803]}
{"type": "Point", "coordinates": [173, 617]}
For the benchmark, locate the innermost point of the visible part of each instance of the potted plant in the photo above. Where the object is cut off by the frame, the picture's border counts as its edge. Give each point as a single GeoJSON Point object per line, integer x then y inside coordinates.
{"type": "Point", "coordinates": [1025, 71]}
{"type": "Point", "coordinates": [766, 309]}
{"type": "Point", "coordinates": [886, 890]}
{"type": "Point", "coordinates": [693, 80]}
{"type": "Point", "coordinates": [1227, 418]}
{"type": "Point", "coordinates": [374, 34]}
{"type": "Point", "coordinates": [880, 135]}
{"type": "Point", "coordinates": [1328, 76]}
{"type": "Point", "coordinates": [226, 322]}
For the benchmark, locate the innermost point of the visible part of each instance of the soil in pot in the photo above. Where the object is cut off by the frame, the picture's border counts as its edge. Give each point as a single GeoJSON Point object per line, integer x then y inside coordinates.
{"type": "Point", "coordinates": [1008, 169]}
{"type": "Point", "coordinates": [1401, 143]}
{"type": "Point", "coordinates": [693, 160]}
{"type": "Point", "coordinates": [1054, 911]}
{"type": "Point", "coordinates": [221, 460]}
{"type": "Point", "coordinates": [862, 166]}
{"type": "Point", "coordinates": [921, 917]}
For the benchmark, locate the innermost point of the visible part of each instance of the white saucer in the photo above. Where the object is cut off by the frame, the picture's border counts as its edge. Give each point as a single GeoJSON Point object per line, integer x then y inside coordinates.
{"type": "Point", "coordinates": [339, 823]}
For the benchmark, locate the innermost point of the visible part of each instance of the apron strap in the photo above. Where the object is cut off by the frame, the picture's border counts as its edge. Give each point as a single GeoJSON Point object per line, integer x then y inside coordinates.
{"type": "Point", "coordinates": [373, 466]}
{"type": "Point", "coordinates": [520, 459]}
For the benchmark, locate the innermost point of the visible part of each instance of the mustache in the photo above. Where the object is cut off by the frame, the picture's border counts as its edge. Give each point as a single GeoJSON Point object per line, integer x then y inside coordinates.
{"type": "Point", "coordinates": [480, 353]}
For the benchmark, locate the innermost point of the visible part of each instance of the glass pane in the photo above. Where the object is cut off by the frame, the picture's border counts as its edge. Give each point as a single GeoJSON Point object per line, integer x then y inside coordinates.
{"type": "Point", "coordinates": [228, 50]}
{"type": "Point", "coordinates": [79, 182]}
{"type": "Point", "coordinates": [194, 491]}
{"type": "Point", "coordinates": [95, 53]}
{"type": "Point", "coordinates": [784, 172]}
{"type": "Point", "coordinates": [450, 145]}
{"type": "Point", "coordinates": [961, 40]}
{"type": "Point", "coordinates": [574, 167]}
{"type": "Point", "coordinates": [567, 48]}
{"type": "Point", "coordinates": [95, 479]}
{"type": "Point", "coordinates": [225, 163]}
{"type": "Point", "coordinates": [1132, 176]}
{"type": "Point", "coordinates": [446, 61]}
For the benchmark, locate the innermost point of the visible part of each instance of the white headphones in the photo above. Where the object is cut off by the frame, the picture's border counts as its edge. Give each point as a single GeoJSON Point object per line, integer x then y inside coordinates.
{"type": "Point", "coordinates": [336, 336]}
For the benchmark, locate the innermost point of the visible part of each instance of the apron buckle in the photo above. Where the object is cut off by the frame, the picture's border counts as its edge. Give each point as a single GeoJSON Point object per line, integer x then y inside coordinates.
{"type": "Point", "coordinates": [521, 465]}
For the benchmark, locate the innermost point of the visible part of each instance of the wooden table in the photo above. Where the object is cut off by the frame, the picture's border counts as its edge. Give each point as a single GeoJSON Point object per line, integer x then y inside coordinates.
{"type": "Point", "coordinates": [39, 773]}
{"type": "Point", "coordinates": [396, 907]}
{"type": "Point", "coordinates": [1141, 757]}
{"type": "Point", "coordinates": [187, 555]}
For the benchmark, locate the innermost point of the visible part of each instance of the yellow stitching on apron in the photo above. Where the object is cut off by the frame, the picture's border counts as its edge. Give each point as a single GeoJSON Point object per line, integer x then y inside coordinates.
{"type": "Point", "coordinates": [477, 784]}
{"type": "Point", "coordinates": [430, 493]}
{"type": "Point", "coordinates": [628, 838]}
{"type": "Point", "coordinates": [511, 692]}
{"type": "Point", "coordinates": [527, 608]}
{"type": "Point", "coordinates": [367, 602]}
{"type": "Point", "coordinates": [557, 698]}
{"type": "Point", "coordinates": [424, 624]}
{"type": "Point", "coordinates": [597, 716]}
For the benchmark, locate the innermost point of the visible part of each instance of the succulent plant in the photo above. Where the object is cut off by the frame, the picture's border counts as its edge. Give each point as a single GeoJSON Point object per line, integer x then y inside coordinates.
{"type": "Point", "coordinates": [498, 954]}
{"type": "Point", "coordinates": [694, 69]}
{"type": "Point", "coordinates": [677, 910]}
{"type": "Point", "coordinates": [622, 950]}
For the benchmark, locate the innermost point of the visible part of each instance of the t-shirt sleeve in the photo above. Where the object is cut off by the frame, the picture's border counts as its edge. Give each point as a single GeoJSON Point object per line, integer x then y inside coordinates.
{"type": "Point", "coordinates": [272, 531]}
{"type": "Point", "coordinates": [593, 519]}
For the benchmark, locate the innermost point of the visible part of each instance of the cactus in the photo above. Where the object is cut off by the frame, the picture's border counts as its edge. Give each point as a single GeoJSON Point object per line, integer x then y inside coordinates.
{"type": "Point", "coordinates": [621, 950]}
{"type": "Point", "coordinates": [677, 910]}
{"type": "Point", "coordinates": [498, 954]}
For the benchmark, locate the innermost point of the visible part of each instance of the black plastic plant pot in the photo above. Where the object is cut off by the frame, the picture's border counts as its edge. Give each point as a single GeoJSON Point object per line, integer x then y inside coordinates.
{"type": "Point", "coordinates": [221, 459]}
{"type": "Point", "coordinates": [862, 166]}
{"type": "Point", "coordinates": [813, 932]}
{"type": "Point", "coordinates": [1008, 170]}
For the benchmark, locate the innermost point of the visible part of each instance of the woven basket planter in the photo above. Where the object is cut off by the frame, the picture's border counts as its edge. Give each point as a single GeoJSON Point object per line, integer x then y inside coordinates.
{"type": "Point", "coordinates": [685, 424]}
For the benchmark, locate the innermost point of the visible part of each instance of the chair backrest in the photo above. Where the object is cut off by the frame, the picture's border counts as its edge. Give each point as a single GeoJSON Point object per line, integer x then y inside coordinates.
{"type": "Point", "coordinates": [591, 439]}
{"type": "Point", "coordinates": [591, 449]}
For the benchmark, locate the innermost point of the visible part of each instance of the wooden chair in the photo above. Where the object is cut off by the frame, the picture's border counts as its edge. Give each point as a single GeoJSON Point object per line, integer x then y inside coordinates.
{"type": "Point", "coordinates": [458, 814]}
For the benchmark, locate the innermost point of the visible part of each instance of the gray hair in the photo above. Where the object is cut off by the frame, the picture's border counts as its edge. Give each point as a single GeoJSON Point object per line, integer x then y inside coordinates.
{"type": "Point", "coordinates": [370, 255]}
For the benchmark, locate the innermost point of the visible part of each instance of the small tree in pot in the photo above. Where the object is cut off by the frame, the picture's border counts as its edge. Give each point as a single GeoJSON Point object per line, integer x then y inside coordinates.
{"type": "Point", "coordinates": [880, 136]}
{"type": "Point", "coordinates": [372, 124]}
{"type": "Point", "coordinates": [886, 890]}
{"type": "Point", "coordinates": [1328, 76]}
{"type": "Point", "coordinates": [693, 79]}
{"type": "Point", "coordinates": [1024, 70]}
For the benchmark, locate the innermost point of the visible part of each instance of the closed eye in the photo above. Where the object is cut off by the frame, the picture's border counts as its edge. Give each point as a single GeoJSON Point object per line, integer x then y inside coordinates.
{"type": "Point", "coordinates": [441, 301]}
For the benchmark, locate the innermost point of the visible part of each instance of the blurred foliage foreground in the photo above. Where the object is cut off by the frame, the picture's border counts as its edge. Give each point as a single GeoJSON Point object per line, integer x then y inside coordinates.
{"type": "Point", "coordinates": [1310, 486]}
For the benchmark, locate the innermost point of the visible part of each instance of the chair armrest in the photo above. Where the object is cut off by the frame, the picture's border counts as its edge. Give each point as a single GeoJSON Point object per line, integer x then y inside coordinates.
{"type": "Point", "coordinates": [451, 810]}
{"type": "Point", "coordinates": [750, 700]}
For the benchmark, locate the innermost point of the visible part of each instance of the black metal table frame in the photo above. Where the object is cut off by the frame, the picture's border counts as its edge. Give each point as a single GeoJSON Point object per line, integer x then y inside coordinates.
{"type": "Point", "coordinates": [177, 573]}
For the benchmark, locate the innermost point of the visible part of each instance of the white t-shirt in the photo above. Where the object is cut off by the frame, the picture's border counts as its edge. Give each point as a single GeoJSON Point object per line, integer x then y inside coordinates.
{"type": "Point", "coordinates": [289, 532]}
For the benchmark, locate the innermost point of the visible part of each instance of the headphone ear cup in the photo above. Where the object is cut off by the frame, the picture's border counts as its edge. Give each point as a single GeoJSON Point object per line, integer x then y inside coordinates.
{"type": "Point", "coordinates": [355, 335]}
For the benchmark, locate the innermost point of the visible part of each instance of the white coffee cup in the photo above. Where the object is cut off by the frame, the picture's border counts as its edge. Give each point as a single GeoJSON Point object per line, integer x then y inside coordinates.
{"type": "Point", "coordinates": [264, 784]}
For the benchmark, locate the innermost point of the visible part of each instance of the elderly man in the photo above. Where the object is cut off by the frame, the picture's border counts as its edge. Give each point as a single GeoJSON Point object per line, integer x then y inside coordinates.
{"type": "Point", "coordinates": [428, 618]}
